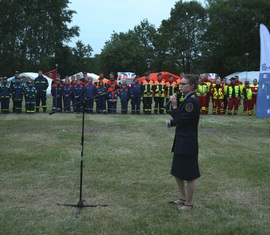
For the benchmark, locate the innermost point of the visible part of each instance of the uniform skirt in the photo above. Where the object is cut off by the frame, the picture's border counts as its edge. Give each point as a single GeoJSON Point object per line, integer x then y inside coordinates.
{"type": "Point", "coordinates": [185, 167]}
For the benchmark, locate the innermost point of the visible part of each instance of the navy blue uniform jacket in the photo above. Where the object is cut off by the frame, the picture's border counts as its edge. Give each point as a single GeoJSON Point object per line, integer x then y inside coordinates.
{"type": "Point", "coordinates": [186, 119]}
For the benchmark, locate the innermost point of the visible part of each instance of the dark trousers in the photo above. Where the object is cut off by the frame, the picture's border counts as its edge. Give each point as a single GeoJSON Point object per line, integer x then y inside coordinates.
{"type": "Point", "coordinates": [147, 105]}
{"type": "Point", "coordinates": [67, 104]}
{"type": "Point", "coordinates": [112, 107]}
{"type": "Point", "coordinates": [5, 105]}
{"type": "Point", "coordinates": [41, 97]}
{"type": "Point", "coordinates": [159, 105]}
{"type": "Point", "coordinates": [18, 106]}
{"type": "Point", "coordinates": [57, 103]}
{"type": "Point", "coordinates": [124, 106]}
{"type": "Point", "coordinates": [135, 104]}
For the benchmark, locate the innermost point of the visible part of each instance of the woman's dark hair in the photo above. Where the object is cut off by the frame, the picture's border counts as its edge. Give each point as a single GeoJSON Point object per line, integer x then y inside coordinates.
{"type": "Point", "coordinates": [192, 79]}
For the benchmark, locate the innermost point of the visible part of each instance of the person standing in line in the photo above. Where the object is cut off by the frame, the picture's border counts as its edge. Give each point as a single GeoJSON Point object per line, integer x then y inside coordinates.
{"type": "Point", "coordinates": [185, 118]}
{"type": "Point", "coordinates": [30, 100]}
{"type": "Point", "coordinates": [254, 88]}
{"type": "Point", "coordinates": [18, 93]}
{"type": "Point", "coordinates": [158, 91]}
{"type": "Point", "coordinates": [136, 92]}
{"type": "Point", "coordinates": [57, 94]}
{"type": "Point", "coordinates": [124, 94]}
{"type": "Point", "coordinates": [41, 84]}
{"type": "Point", "coordinates": [5, 95]}
{"type": "Point", "coordinates": [147, 85]}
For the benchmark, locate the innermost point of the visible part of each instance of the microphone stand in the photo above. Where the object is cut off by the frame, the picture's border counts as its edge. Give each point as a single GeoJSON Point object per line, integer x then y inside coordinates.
{"type": "Point", "coordinates": [80, 203]}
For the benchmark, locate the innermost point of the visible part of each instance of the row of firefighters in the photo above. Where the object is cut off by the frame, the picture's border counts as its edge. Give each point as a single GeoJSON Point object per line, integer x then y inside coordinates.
{"type": "Point", "coordinates": [81, 95]}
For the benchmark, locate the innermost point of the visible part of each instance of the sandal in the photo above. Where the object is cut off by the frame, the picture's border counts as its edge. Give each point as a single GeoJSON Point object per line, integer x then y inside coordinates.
{"type": "Point", "coordinates": [179, 202]}
{"type": "Point", "coordinates": [185, 207]}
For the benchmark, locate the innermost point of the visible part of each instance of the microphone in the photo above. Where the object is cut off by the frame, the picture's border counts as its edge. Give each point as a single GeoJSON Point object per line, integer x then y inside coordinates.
{"type": "Point", "coordinates": [169, 102]}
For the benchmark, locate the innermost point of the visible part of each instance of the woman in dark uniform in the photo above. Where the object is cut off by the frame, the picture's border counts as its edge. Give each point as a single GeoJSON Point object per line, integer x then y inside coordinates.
{"type": "Point", "coordinates": [185, 166]}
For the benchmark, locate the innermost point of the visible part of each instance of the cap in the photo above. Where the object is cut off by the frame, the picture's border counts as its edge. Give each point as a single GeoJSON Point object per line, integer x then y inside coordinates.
{"type": "Point", "coordinates": [232, 78]}
{"type": "Point", "coordinates": [16, 72]}
{"type": "Point", "coordinates": [30, 82]}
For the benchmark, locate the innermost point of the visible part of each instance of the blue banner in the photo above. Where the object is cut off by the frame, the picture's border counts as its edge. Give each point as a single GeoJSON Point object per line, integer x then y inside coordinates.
{"type": "Point", "coordinates": [263, 97]}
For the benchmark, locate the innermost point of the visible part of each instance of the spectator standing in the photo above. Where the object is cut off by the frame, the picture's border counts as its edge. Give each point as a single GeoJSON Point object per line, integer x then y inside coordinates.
{"type": "Point", "coordinates": [89, 91]}
{"type": "Point", "coordinates": [124, 94]}
{"type": "Point", "coordinates": [170, 89]}
{"type": "Point", "coordinates": [67, 95]}
{"type": "Point", "coordinates": [78, 96]}
{"type": "Point", "coordinates": [41, 84]}
{"type": "Point", "coordinates": [5, 95]}
{"type": "Point", "coordinates": [101, 97]}
{"type": "Point", "coordinates": [147, 85]}
{"type": "Point", "coordinates": [158, 89]}
{"type": "Point", "coordinates": [254, 88]}
{"type": "Point", "coordinates": [30, 97]}
{"type": "Point", "coordinates": [217, 97]}
{"type": "Point", "coordinates": [136, 95]}
{"type": "Point", "coordinates": [234, 94]}
{"type": "Point", "coordinates": [18, 93]}
{"type": "Point", "coordinates": [247, 99]}
{"type": "Point", "coordinates": [57, 94]}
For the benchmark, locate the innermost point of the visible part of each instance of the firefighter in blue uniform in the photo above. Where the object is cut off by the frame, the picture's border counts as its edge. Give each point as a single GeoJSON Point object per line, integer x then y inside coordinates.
{"type": "Point", "coordinates": [89, 92]}
{"type": "Point", "coordinates": [5, 95]}
{"type": "Point", "coordinates": [101, 98]}
{"type": "Point", "coordinates": [78, 96]}
{"type": "Point", "coordinates": [67, 96]}
{"type": "Point", "coordinates": [30, 98]}
{"type": "Point", "coordinates": [124, 94]}
{"type": "Point", "coordinates": [57, 93]}
{"type": "Point", "coordinates": [136, 92]}
{"type": "Point", "coordinates": [18, 93]}
{"type": "Point", "coordinates": [41, 85]}
{"type": "Point", "coordinates": [12, 82]}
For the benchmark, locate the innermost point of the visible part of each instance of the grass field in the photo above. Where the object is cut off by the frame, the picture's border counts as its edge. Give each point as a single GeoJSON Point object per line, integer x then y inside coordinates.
{"type": "Point", "coordinates": [127, 162]}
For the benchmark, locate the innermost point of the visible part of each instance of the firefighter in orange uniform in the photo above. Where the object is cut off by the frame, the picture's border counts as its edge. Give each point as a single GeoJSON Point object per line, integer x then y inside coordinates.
{"type": "Point", "coordinates": [170, 89]}
{"type": "Point", "coordinates": [159, 95]}
{"type": "Point", "coordinates": [217, 97]}
{"type": "Point", "coordinates": [147, 85]}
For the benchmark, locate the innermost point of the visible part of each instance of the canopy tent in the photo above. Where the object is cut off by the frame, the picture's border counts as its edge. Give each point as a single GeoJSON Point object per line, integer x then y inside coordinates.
{"type": "Point", "coordinates": [246, 76]}
{"type": "Point", "coordinates": [93, 75]}
{"type": "Point", "coordinates": [24, 76]}
{"type": "Point", "coordinates": [165, 76]}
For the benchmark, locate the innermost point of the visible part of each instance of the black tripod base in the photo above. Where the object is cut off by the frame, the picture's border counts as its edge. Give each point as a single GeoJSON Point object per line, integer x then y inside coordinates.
{"type": "Point", "coordinates": [80, 205]}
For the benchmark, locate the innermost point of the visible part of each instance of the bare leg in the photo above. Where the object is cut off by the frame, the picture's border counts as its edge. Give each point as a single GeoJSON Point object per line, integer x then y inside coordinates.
{"type": "Point", "coordinates": [181, 187]}
{"type": "Point", "coordinates": [190, 191]}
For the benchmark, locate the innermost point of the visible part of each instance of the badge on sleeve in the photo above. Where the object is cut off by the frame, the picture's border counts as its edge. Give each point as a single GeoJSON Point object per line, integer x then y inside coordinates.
{"type": "Point", "coordinates": [189, 107]}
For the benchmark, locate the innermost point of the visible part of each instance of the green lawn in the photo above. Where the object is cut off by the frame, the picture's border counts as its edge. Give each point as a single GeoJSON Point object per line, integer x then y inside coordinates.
{"type": "Point", "coordinates": [127, 162]}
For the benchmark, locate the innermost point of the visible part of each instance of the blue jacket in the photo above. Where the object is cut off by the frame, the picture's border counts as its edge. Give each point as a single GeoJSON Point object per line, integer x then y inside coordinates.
{"type": "Point", "coordinates": [5, 90]}
{"type": "Point", "coordinates": [18, 90]}
{"type": "Point", "coordinates": [89, 90]}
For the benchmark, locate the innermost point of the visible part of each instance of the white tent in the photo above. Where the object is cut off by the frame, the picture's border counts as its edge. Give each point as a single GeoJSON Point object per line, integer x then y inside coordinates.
{"type": "Point", "coordinates": [94, 76]}
{"type": "Point", "coordinates": [246, 76]}
{"type": "Point", "coordinates": [32, 76]}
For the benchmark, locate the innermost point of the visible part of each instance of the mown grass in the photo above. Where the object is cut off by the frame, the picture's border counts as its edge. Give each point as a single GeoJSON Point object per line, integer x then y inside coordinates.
{"type": "Point", "coordinates": [127, 164]}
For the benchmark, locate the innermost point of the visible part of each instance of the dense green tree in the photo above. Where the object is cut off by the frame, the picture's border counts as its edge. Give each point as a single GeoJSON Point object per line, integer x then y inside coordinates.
{"type": "Point", "coordinates": [33, 33]}
{"type": "Point", "coordinates": [131, 51]}
{"type": "Point", "coordinates": [180, 36]}
{"type": "Point", "coordinates": [233, 31]}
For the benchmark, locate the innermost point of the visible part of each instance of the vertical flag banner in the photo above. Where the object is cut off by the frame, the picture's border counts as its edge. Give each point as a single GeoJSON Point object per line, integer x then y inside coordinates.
{"type": "Point", "coordinates": [263, 97]}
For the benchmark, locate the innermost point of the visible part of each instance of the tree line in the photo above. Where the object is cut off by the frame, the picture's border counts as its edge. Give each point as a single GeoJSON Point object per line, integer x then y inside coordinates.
{"type": "Point", "coordinates": [220, 36]}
